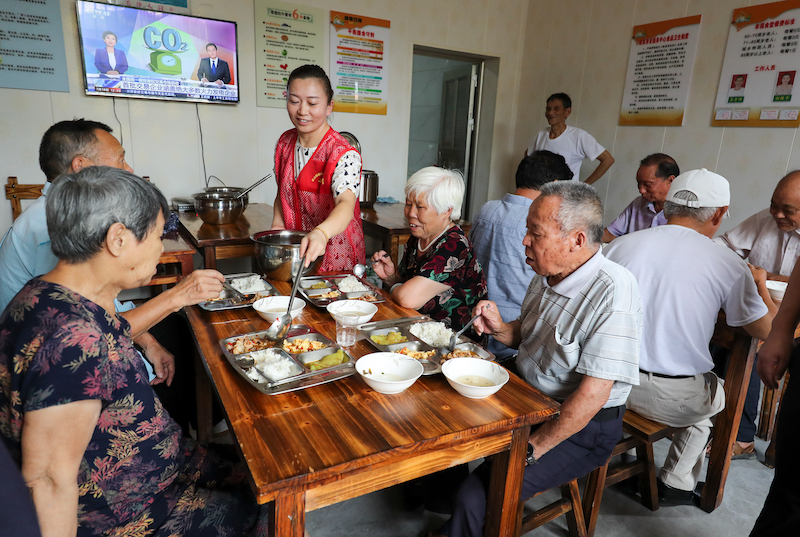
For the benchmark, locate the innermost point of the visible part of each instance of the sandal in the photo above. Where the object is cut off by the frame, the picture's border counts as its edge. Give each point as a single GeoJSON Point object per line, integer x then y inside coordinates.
{"type": "Point", "coordinates": [740, 452]}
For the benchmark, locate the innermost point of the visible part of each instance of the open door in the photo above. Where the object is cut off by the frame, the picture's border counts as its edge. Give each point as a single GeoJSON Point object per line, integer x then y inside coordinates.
{"type": "Point", "coordinates": [458, 121]}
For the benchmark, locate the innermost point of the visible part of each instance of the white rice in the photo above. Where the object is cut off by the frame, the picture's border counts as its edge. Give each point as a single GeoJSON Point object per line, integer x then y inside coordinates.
{"type": "Point", "coordinates": [434, 334]}
{"type": "Point", "coordinates": [351, 285]}
{"type": "Point", "coordinates": [249, 285]}
{"type": "Point", "coordinates": [272, 364]}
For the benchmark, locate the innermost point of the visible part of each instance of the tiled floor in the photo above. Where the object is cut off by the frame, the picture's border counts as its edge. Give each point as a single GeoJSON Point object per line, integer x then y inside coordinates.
{"type": "Point", "coordinates": [382, 514]}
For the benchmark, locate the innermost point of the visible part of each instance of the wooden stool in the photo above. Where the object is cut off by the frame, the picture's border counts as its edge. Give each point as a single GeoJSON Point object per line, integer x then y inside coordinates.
{"type": "Point", "coordinates": [569, 504]}
{"type": "Point", "coordinates": [642, 433]}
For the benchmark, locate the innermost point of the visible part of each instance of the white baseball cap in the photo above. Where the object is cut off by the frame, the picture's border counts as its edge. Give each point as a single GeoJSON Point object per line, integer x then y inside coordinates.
{"type": "Point", "coordinates": [711, 189]}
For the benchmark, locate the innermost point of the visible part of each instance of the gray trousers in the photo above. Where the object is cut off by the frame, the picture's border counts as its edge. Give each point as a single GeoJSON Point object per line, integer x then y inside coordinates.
{"type": "Point", "coordinates": [688, 404]}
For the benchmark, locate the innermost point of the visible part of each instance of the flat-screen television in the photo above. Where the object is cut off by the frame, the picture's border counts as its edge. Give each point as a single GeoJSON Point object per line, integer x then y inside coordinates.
{"type": "Point", "coordinates": [130, 52]}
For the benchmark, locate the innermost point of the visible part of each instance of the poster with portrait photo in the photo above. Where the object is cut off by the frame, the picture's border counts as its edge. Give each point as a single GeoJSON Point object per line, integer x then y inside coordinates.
{"type": "Point", "coordinates": [762, 57]}
{"type": "Point", "coordinates": [784, 86]}
{"type": "Point", "coordinates": [737, 88]}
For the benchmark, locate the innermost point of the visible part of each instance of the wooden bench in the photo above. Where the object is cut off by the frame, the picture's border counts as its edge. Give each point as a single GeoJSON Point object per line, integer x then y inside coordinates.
{"type": "Point", "coordinates": [16, 192]}
{"type": "Point", "coordinates": [570, 504]}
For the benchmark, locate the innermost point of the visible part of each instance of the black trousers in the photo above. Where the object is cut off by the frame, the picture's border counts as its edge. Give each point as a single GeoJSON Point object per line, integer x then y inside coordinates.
{"type": "Point", "coordinates": [780, 515]}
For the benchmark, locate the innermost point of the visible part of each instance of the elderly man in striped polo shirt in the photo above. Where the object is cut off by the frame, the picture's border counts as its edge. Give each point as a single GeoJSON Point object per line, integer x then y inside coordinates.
{"type": "Point", "coordinates": [578, 338]}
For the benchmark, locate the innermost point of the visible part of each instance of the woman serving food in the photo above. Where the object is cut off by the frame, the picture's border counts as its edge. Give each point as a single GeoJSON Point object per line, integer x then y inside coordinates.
{"type": "Point", "coordinates": [318, 174]}
{"type": "Point", "coordinates": [439, 274]}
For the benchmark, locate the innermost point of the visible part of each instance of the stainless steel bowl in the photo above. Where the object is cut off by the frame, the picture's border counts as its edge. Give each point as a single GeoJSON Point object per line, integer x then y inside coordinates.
{"type": "Point", "coordinates": [234, 190]}
{"type": "Point", "coordinates": [278, 254]}
{"type": "Point", "coordinates": [216, 209]}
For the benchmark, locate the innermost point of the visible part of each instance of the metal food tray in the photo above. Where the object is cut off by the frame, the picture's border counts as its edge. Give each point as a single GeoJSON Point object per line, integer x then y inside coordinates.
{"type": "Point", "coordinates": [311, 295]}
{"type": "Point", "coordinates": [414, 343]}
{"type": "Point", "coordinates": [303, 377]}
{"type": "Point", "coordinates": [230, 298]}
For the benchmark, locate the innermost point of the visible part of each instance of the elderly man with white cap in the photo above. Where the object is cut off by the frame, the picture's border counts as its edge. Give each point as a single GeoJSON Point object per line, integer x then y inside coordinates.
{"type": "Point", "coordinates": [684, 279]}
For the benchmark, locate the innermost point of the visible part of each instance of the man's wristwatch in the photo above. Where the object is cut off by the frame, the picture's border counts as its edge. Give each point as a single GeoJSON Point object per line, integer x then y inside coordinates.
{"type": "Point", "coordinates": [530, 460]}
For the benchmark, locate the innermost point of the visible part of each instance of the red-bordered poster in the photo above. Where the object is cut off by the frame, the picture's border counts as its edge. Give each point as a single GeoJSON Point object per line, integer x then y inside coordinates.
{"type": "Point", "coordinates": [756, 88]}
{"type": "Point", "coordinates": [659, 72]}
{"type": "Point", "coordinates": [359, 63]}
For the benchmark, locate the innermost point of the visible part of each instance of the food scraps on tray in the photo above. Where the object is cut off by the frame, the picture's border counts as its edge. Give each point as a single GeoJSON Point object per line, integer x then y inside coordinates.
{"type": "Point", "coordinates": [417, 355]}
{"type": "Point", "coordinates": [331, 360]}
{"type": "Point", "coordinates": [389, 339]}
{"type": "Point", "coordinates": [296, 346]}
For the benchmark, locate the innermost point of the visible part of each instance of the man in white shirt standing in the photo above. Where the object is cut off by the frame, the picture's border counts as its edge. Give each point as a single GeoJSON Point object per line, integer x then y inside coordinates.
{"type": "Point", "coordinates": [572, 143]}
{"type": "Point", "coordinates": [769, 239]}
{"type": "Point", "coordinates": [681, 301]}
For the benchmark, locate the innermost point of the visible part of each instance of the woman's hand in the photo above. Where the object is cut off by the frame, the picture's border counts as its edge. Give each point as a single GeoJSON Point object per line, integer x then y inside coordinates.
{"type": "Point", "coordinates": [163, 361]}
{"type": "Point", "coordinates": [313, 245]}
{"type": "Point", "coordinates": [384, 267]}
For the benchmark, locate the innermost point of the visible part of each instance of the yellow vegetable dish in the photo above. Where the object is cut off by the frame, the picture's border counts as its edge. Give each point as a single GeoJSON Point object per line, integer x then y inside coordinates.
{"type": "Point", "coordinates": [331, 360]}
{"type": "Point", "coordinates": [389, 339]}
{"type": "Point", "coordinates": [320, 285]}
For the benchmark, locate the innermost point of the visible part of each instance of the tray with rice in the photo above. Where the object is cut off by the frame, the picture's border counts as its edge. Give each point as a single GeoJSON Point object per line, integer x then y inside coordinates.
{"type": "Point", "coordinates": [240, 291]}
{"type": "Point", "coordinates": [422, 339]}
{"type": "Point", "coordinates": [322, 290]}
{"type": "Point", "coordinates": [305, 358]}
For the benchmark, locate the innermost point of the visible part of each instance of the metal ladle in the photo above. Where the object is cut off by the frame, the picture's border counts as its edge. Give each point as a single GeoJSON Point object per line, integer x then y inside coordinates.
{"type": "Point", "coordinates": [279, 328]}
{"type": "Point", "coordinates": [251, 187]}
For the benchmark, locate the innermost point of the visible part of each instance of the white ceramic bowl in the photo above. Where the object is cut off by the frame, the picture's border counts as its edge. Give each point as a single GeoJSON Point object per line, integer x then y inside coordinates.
{"type": "Point", "coordinates": [388, 372]}
{"type": "Point", "coordinates": [272, 307]}
{"type": "Point", "coordinates": [473, 377]}
{"type": "Point", "coordinates": [365, 310]}
{"type": "Point", "coordinates": [776, 289]}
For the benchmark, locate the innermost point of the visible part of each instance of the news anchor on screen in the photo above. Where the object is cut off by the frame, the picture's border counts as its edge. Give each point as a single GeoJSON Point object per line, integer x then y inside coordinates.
{"type": "Point", "coordinates": [212, 69]}
{"type": "Point", "coordinates": [110, 60]}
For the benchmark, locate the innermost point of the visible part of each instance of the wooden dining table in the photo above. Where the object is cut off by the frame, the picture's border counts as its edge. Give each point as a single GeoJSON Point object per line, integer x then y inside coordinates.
{"type": "Point", "coordinates": [225, 241]}
{"type": "Point", "coordinates": [315, 447]}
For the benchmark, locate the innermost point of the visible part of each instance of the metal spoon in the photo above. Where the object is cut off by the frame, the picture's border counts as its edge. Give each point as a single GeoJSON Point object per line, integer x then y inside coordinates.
{"type": "Point", "coordinates": [277, 331]}
{"type": "Point", "coordinates": [359, 270]}
{"type": "Point", "coordinates": [251, 187]}
{"type": "Point", "coordinates": [454, 338]}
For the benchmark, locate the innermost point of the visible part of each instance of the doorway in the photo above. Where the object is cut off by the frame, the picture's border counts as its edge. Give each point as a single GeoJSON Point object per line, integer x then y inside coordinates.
{"type": "Point", "coordinates": [447, 92]}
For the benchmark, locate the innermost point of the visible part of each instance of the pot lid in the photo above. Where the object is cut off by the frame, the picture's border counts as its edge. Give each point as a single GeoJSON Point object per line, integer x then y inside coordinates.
{"type": "Point", "coordinates": [352, 140]}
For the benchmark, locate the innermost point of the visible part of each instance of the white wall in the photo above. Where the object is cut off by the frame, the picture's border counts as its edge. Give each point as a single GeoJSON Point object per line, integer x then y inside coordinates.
{"type": "Point", "coordinates": [581, 47]}
{"type": "Point", "coordinates": [162, 139]}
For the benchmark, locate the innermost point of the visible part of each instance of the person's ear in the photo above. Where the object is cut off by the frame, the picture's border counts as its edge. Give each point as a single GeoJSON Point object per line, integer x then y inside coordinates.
{"type": "Point", "coordinates": [116, 239]}
{"type": "Point", "coordinates": [80, 162]}
{"type": "Point", "coordinates": [579, 240]}
{"type": "Point", "coordinates": [567, 112]}
{"type": "Point", "coordinates": [719, 215]}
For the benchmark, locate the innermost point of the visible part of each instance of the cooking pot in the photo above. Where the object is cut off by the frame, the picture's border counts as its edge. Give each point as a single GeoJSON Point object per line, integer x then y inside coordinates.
{"type": "Point", "coordinates": [369, 188]}
{"type": "Point", "coordinates": [216, 208]}
{"type": "Point", "coordinates": [277, 254]}
{"type": "Point", "coordinates": [234, 190]}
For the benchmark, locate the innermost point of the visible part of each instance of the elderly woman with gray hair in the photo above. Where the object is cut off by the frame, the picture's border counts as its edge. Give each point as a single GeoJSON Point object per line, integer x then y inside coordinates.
{"type": "Point", "coordinates": [98, 451]}
{"type": "Point", "coordinates": [439, 274]}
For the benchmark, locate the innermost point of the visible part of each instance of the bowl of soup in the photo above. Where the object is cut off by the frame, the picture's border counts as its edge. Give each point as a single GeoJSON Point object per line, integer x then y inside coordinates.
{"type": "Point", "coordinates": [474, 377]}
{"type": "Point", "coordinates": [388, 372]}
{"type": "Point", "coordinates": [272, 307]}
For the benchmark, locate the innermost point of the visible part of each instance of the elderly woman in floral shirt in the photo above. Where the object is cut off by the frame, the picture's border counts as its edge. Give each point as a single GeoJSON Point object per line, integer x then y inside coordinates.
{"type": "Point", "coordinates": [98, 451]}
{"type": "Point", "coordinates": [439, 274]}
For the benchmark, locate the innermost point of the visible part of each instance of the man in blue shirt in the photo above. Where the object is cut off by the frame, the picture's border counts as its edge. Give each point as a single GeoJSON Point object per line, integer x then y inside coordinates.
{"type": "Point", "coordinates": [67, 147]}
{"type": "Point", "coordinates": [497, 234]}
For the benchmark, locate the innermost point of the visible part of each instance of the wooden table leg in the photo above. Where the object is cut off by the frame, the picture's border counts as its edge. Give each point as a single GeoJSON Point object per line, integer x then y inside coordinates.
{"type": "Point", "coordinates": [727, 425]}
{"type": "Point", "coordinates": [769, 455]}
{"type": "Point", "coordinates": [203, 396]}
{"type": "Point", "coordinates": [394, 250]}
{"type": "Point", "coordinates": [210, 257]}
{"type": "Point", "coordinates": [287, 516]}
{"type": "Point", "coordinates": [503, 515]}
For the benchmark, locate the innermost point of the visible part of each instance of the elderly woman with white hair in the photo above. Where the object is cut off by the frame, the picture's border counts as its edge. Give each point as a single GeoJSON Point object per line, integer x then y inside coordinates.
{"type": "Point", "coordinates": [439, 274]}
{"type": "Point", "coordinates": [98, 452]}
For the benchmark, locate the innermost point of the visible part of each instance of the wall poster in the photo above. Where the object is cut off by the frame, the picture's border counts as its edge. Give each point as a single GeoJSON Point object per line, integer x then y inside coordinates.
{"type": "Point", "coordinates": [359, 63]}
{"type": "Point", "coordinates": [286, 36]}
{"type": "Point", "coordinates": [659, 71]}
{"type": "Point", "coordinates": [32, 51]}
{"type": "Point", "coordinates": [167, 6]}
{"type": "Point", "coordinates": [756, 88]}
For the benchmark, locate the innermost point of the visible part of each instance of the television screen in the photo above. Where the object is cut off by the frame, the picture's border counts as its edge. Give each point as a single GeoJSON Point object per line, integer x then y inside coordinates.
{"type": "Point", "coordinates": [129, 52]}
